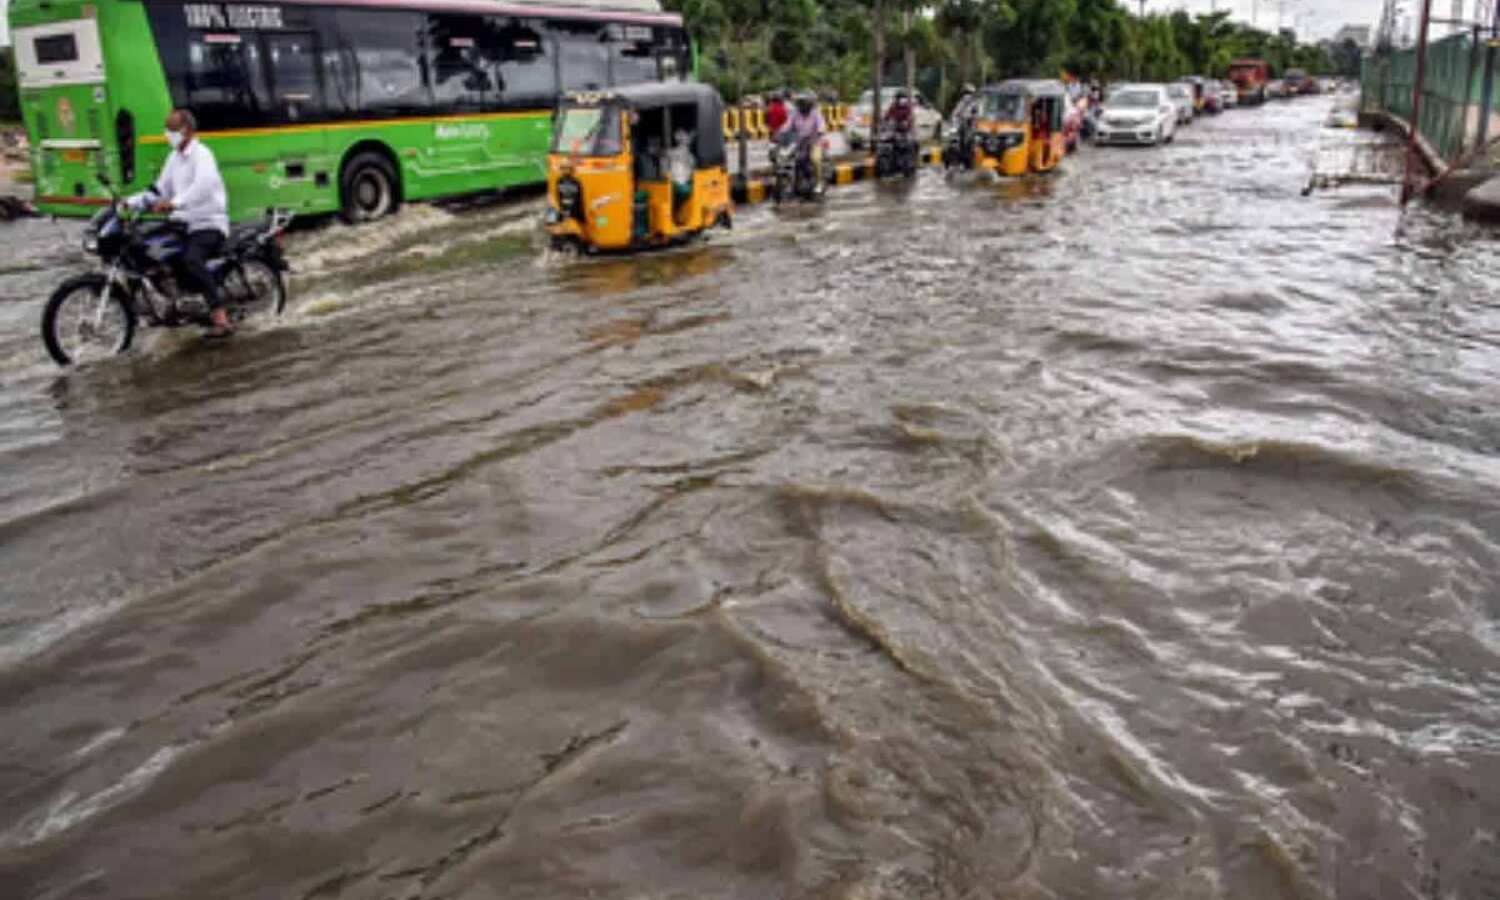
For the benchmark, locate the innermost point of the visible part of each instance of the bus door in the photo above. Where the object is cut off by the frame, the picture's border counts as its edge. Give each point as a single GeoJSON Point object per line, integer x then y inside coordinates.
{"type": "Point", "coordinates": [303, 170]}
{"type": "Point", "coordinates": [66, 107]}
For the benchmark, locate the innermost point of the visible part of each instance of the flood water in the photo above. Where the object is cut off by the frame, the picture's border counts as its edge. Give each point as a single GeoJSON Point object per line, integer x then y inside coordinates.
{"type": "Point", "coordinates": [1130, 533]}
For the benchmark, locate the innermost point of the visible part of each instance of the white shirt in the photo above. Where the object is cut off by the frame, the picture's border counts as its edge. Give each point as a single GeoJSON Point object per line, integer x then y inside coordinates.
{"type": "Point", "coordinates": [191, 181]}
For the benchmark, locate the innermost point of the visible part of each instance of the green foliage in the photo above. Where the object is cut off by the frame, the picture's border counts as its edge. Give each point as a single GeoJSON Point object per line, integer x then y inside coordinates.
{"type": "Point", "coordinates": [751, 46]}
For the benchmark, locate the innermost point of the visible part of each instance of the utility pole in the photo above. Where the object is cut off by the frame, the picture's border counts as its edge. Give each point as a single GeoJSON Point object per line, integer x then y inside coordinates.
{"type": "Point", "coordinates": [1408, 182]}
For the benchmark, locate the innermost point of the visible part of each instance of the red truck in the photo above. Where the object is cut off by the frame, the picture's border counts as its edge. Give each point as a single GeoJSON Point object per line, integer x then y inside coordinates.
{"type": "Point", "coordinates": [1250, 77]}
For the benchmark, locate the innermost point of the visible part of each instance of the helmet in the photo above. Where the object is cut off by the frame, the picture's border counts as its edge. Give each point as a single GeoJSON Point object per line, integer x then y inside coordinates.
{"type": "Point", "coordinates": [902, 99]}
{"type": "Point", "coordinates": [969, 88]}
{"type": "Point", "coordinates": [806, 101]}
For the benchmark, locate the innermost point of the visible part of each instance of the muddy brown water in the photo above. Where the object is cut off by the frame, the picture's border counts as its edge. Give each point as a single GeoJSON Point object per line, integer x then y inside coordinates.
{"type": "Point", "coordinates": [1129, 533]}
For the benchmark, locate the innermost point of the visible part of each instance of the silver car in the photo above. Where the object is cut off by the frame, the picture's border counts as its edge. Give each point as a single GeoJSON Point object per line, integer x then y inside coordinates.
{"type": "Point", "coordinates": [1181, 93]}
{"type": "Point", "coordinates": [1138, 114]}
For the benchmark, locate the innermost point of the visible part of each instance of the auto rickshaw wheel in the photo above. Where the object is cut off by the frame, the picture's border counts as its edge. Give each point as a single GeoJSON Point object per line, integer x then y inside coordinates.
{"type": "Point", "coordinates": [567, 246]}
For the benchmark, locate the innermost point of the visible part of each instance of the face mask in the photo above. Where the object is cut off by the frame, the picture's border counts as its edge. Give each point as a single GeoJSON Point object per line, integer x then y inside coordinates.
{"type": "Point", "coordinates": [174, 138]}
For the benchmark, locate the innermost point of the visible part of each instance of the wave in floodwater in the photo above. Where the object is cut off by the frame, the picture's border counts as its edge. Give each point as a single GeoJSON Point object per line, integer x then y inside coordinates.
{"type": "Point", "coordinates": [1129, 532]}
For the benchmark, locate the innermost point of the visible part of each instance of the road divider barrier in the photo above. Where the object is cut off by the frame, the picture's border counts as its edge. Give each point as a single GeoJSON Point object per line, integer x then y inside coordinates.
{"type": "Point", "coordinates": [757, 126]}
{"type": "Point", "coordinates": [752, 122]}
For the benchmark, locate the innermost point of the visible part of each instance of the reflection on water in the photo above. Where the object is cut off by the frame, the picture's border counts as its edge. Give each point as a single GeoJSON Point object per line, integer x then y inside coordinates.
{"type": "Point", "coordinates": [1124, 533]}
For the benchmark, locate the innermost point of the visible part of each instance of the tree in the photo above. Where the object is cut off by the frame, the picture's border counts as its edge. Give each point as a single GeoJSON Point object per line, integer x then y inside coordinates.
{"type": "Point", "coordinates": [963, 22]}
{"type": "Point", "coordinates": [1033, 40]}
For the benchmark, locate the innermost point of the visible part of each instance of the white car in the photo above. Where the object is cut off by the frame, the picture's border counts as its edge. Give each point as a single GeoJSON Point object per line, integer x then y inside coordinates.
{"type": "Point", "coordinates": [1228, 94]}
{"type": "Point", "coordinates": [1138, 114]}
{"type": "Point", "coordinates": [1182, 95]}
{"type": "Point", "coordinates": [857, 131]}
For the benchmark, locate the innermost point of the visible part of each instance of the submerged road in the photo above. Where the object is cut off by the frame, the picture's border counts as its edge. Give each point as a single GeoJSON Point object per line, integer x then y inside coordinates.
{"type": "Point", "coordinates": [1130, 533]}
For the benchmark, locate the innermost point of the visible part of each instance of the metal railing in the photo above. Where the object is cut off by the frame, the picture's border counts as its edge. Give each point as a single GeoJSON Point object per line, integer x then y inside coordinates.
{"type": "Point", "coordinates": [1457, 113]}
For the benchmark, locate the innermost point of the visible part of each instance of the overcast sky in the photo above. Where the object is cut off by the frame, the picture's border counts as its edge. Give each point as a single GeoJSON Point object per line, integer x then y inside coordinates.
{"type": "Point", "coordinates": [1313, 19]}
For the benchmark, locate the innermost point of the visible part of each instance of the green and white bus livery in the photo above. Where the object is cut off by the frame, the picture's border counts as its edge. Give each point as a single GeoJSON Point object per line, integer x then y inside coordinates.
{"type": "Point", "coordinates": [336, 105]}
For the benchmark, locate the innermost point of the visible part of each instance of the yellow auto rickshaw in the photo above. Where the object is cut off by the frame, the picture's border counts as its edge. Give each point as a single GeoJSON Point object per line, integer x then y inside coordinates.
{"type": "Point", "coordinates": [1019, 127]}
{"type": "Point", "coordinates": [637, 167]}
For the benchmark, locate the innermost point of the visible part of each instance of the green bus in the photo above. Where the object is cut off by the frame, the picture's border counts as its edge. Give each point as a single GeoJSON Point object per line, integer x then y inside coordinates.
{"type": "Point", "coordinates": [320, 106]}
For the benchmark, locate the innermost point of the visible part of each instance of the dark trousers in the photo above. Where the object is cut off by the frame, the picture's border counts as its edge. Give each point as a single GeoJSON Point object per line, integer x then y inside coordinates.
{"type": "Point", "coordinates": [192, 265]}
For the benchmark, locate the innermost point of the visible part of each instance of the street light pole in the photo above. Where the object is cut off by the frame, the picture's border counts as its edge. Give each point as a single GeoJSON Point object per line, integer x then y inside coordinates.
{"type": "Point", "coordinates": [1408, 184]}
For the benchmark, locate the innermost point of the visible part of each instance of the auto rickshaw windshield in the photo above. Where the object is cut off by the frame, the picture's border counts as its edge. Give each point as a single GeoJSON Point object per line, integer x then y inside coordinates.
{"type": "Point", "coordinates": [1003, 107]}
{"type": "Point", "coordinates": [588, 131]}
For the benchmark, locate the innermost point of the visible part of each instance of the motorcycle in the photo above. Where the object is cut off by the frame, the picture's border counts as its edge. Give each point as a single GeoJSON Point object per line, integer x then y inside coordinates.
{"type": "Point", "coordinates": [792, 169]}
{"type": "Point", "coordinates": [896, 153]}
{"type": "Point", "coordinates": [958, 148]}
{"type": "Point", "coordinates": [96, 314]}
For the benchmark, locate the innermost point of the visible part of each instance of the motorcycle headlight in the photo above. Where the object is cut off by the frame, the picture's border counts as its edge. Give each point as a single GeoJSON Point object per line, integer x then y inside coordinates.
{"type": "Point", "coordinates": [90, 241]}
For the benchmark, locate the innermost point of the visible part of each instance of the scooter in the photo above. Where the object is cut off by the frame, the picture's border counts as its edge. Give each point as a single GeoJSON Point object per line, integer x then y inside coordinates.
{"type": "Point", "coordinates": [793, 172]}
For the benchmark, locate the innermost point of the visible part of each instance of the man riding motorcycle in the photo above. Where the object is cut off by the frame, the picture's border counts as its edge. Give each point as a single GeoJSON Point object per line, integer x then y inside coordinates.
{"type": "Point", "coordinates": [190, 192]}
{"type": "Point", "coordinates": [897, 150]}
{"type": "Point", "coordinates": [807, 125]}
{"type": "Point", "coordinates": [900, 118]}
{"type": "Point", "coordinates": [965, 113]}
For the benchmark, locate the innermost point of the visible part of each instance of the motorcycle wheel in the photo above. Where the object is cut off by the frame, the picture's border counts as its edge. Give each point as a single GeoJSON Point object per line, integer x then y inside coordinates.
{"type": "Point", "coordinates": [255, 290]}
{"type": "Point", "coordinates": [83, 321]}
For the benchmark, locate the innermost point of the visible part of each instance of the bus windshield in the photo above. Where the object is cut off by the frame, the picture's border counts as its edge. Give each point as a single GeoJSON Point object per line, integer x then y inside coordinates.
{"type": "Point", "coordinates": [1003, 107]}
{"type": "Point", "coordinates": [589, 131]}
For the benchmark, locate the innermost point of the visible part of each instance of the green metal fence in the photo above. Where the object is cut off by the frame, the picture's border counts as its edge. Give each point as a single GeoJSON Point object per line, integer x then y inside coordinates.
{"type": "Point", "coordinates": [1452, 94]}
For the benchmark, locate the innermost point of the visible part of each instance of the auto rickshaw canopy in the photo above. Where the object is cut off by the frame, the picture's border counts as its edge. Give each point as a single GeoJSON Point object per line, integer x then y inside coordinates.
{"type": "Point", "coordinates": [1033, 89]}
{"type": "Point", "coordinates": [705, 116]}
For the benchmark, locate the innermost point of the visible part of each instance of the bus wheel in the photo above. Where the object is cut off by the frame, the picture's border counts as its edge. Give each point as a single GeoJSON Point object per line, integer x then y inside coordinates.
{"type": "Point", "coordinates": [369, 188]}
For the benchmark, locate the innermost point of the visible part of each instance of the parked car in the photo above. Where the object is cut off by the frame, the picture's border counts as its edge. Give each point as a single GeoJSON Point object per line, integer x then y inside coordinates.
{"type": "Point", "coordinates": [857, 131]}
{"type": "Point", "coordinates": [1229, 95]}
{"type": "Point", "coordinates": [1182, 96]}
{"type": "Point", "coordinates": [1276, 89]}
{"type": "Point", "coordinates": [1213, 100]}
{"type": "Point", "coordinates": [1138, 114]}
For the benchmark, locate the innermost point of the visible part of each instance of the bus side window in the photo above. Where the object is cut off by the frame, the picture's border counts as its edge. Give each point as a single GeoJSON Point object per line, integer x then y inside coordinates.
{"type": "Point", "coordinates": [294, 77]}
{"type": "Point", "coordinates": [524, 65]}
{"type": "Point", "coordinates": [583, 55]}
{"type": "Point", "coordinates": [675, 53]}
{"type": "Point", "coordinates": [340, 70]}
{"type": "Point", "coordinates": [224, 84]}
{"type": "Point", "coordinates": [461, 80]}
{"type": "Point", "coordinates": [387, 55]}
{"type": "Point", "coordinates": [215, 73]}
{"type": "Point", "coordinates": [632, 52]}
